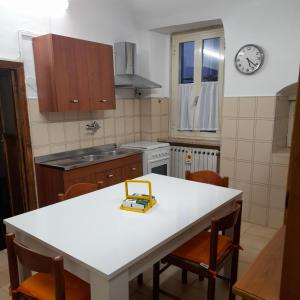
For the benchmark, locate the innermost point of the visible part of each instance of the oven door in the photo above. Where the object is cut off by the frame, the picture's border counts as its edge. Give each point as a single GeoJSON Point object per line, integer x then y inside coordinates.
{"type": "Point", "coordinates": [159, 166]}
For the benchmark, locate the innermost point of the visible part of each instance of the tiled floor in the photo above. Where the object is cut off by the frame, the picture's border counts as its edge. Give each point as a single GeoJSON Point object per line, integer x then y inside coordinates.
{"type": "Point", "coordinates": [253, 239]}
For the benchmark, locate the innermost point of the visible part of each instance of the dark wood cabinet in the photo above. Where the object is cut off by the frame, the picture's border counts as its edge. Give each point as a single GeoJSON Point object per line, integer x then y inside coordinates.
{"type": "Point", "coordinates": [73, 74]}
{"type": "Point", "coordinates": [51, 180]}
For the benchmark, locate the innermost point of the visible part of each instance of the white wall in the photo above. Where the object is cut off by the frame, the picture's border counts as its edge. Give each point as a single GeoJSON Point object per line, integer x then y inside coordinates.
{"type": "Point", "coordinates": [272, 24]}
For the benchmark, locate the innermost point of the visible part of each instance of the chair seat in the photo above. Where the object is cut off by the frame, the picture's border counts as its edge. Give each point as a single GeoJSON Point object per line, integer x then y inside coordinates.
{"type": "Point", "coordinates": [197, 249]}
{"type": "Point", "coordinates": [41, 287]}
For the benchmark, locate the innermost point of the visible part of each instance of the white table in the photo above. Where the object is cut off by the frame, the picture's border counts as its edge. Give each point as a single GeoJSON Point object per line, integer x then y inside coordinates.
{"type": "Point", "coordinates": [107, 246]}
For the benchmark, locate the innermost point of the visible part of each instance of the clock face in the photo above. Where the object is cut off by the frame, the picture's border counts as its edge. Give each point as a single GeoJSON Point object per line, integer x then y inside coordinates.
{"type": "Point", "coordinates": [249, 59]}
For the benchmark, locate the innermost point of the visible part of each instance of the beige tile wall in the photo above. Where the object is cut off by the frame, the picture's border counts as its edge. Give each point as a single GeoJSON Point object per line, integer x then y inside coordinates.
{"type": "Point", "coordinates": [132, 120]}
{"type": "Point", "coordinates": [154, 119]}
{"type": "Point", "coordinates": [281, 123]}
{"type": "Point", "coordinates": [56, 132]}
{"type": "Point", "coordinates": [247, 158]}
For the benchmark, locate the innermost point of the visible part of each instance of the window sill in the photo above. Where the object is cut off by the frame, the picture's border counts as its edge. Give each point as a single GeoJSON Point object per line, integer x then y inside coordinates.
{"type": "Point", "coordinates": [211, 144]}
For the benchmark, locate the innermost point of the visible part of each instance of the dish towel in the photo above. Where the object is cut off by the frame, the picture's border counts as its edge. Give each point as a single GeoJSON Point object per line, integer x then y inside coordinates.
{"type": "Point", "coordinates": [207, 108]}
{"type": "Point", "coordinates": [185, 106]}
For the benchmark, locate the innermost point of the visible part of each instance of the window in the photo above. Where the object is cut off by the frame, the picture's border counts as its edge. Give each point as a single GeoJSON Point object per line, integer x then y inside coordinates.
{"type": "Point", "coordinates": [197, 84]}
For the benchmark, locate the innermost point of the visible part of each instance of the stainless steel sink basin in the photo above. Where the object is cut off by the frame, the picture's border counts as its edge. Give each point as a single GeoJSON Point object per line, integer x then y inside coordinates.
{"type": "Point", "coordinates": [115, 152]}
{"type": "Point", "coordinates": [91, 157]}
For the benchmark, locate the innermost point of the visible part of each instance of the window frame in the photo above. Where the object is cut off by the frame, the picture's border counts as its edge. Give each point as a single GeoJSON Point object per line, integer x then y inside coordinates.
{"type": "Point", "coordinates": [197, 36]}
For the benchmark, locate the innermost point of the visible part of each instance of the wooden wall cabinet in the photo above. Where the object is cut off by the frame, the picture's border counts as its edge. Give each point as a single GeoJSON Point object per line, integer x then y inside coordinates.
{"type": "Point", "coordinates": [73, 74]}
{"type": "Point", "coordinates": [51, 180]}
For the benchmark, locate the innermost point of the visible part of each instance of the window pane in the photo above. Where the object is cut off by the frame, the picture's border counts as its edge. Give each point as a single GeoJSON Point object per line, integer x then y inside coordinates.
{"type": "Point", "coordinates": [211, 57]}
{"type": "Point", "coordinates": [186, 56]}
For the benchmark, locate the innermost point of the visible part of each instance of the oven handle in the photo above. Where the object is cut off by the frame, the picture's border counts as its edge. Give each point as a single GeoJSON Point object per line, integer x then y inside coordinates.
{"type": "Point", "coordinates": [159, 159]}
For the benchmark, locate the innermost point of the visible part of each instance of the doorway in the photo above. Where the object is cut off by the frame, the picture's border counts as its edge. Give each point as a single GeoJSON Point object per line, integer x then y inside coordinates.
{"type": "Point", "coordinates": [17, 191]}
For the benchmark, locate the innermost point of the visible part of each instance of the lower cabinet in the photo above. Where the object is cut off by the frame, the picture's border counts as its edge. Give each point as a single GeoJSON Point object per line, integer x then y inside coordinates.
{"type": "Point", "coordinates": [51, 180]}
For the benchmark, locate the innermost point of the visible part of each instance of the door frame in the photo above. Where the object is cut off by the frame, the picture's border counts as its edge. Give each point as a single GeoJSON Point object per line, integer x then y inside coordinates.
{"type": "Point", "coordinates": [22, 120]}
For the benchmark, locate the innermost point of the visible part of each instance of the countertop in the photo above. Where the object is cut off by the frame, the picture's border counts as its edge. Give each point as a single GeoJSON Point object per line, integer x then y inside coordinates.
{"type": "Point", "coordinates": [74, 159]}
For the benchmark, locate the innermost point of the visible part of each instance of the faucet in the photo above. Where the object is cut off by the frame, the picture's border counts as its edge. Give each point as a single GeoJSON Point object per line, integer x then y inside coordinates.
{"type": "Point", "coordinates": [92, 126]}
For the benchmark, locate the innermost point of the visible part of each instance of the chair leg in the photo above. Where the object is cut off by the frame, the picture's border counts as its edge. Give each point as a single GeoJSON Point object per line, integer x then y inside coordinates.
{"type": "Point", "coordinates": [234, 271]}
{"type": "Point", "coordinates": [201, 278]}
{"type": "Point", "coordinates": [155, 291]}
{"type": "Point", "coordinates": [140, 279]}
{"type": "Point", "coordinates": [184, 276]}
{"type": "Point", "coordinates": [211, 288]}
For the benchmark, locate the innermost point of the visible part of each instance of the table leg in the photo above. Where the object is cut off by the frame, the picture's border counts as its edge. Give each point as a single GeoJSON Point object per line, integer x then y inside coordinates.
{"type": "Point", "coordinates": [114, 289]}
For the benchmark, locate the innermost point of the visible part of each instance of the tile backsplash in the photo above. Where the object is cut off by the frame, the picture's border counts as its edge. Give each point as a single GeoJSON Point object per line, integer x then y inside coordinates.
{"type": "Point", "coordinates": [56, 132]}
{"type": "Point", "coordinates": [250, 160]}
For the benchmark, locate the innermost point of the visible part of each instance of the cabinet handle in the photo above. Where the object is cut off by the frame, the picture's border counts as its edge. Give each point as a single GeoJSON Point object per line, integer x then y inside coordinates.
{"type": "Point", "coordinates": [103, 100]}
{"type": "Point", "coordinates": [74, 101]}
{"type": "Point", "coordinates": [110, 176]}
{"type": "Point", "coordinates": [133, 169]}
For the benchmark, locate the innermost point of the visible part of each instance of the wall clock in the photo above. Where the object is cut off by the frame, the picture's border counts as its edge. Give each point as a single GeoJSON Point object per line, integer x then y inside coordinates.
{"type": "Point", "coordinates": [249, 59]}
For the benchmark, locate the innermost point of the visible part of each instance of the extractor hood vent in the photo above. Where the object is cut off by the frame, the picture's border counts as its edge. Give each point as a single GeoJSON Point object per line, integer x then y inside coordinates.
{"type": "Point", "coordinates": [125, 77]}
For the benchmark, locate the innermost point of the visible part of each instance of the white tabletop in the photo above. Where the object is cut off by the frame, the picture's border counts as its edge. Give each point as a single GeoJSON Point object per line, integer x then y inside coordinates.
{"type": "Point", "coordinates": [92, 229]}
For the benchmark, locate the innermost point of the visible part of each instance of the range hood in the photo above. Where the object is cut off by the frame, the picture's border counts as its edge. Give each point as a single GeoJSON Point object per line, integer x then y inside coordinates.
{"type": "Point", "coordinates": [125, 77]}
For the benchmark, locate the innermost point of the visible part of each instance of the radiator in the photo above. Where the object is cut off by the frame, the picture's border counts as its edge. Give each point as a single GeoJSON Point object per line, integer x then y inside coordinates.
{"type": "Point", "coordinates": [192, 159]}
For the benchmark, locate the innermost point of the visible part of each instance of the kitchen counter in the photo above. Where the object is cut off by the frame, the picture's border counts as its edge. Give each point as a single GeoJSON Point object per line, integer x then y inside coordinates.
{"type": "Point", "coordinates": [84, 157]}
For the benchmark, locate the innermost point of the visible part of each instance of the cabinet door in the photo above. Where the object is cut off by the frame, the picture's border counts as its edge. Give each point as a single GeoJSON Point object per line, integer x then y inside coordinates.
{"type": "Point", "coordinates": [133, 170]}
{"type": "Point", "coordinates": [70, 74]}
{"type": "Point", "coordinates": [110, 177]}
{"type": "Point", "coordinates": [77, 176]}
{"type": "Point", "coordinates": [101, 76]}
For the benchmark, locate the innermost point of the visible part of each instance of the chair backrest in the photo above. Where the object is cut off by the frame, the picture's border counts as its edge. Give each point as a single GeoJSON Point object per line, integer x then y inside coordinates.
{"type": "Point", "coordinates": [206, 176]}
{"type": "Point", "coordinates": [33, 261]}
{"type": "Point", "coordinates": [79, 189]}
{"type": "Point", "coordinates": [232, 220]}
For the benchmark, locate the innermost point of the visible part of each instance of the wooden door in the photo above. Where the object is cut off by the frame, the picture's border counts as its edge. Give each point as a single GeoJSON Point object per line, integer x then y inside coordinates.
{"type": "Point", "coordinates": [101, 76]}
{"type": "Point", "coordinates": [70, 74]}
{"type": "Point", "coordinates": [290, 288]}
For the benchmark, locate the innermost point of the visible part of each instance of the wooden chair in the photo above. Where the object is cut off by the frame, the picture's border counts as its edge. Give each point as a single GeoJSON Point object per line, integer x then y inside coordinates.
{"type": "Point", "coordinates": [79, 189]}
{"type": "Point", "coordinates": [206, 253]}
{"type": "Point", "coordinates": [51, 281]}
{"type": "Point", "coordinates": [209, 177]}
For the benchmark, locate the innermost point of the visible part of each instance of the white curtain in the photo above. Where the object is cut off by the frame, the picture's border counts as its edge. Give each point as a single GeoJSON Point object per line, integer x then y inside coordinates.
{"type": "Point", "coordinates": [207, 110]}
{"type": "Point", "coordinates": [185, 106]}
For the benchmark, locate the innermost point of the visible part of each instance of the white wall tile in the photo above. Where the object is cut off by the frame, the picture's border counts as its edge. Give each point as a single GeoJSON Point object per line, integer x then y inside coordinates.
{"type": "Point", "coordinates": [247, 107]}
{"type": "Point", "coordinates": [245, 129]}
{"type": "Point", "coordinates": [258, 215]}
{"type": "Point", "coordinates": [260, 195]}
{"type": "Point", "coordinates": [243, 171]}
{"type": "Point", "coordinates": [120, 126]}
{"type": "Point", "coordinates": [39, 134]}
{"type": "Point", "coordinates": [261, 173]}
{"type": "Point", "coordinates": [277, 197]}
{"type": "Point", "coordinates": [56, 133]}
{"type": "Point", "coordinates": [279, 175]}
{"type": "Point", "coordinates": [109, 127]}
{"type": "Point", "coordinates": [244, 150]}
{"type": "Point", "coordinates": [230, 107]}
{"type": "Point", "coordinates": [229, 128]}
{"type": "Point", "coordinates": [71, 131]}
{"type": "Point", "coordinates": [227, 168]}
{"type": "Point", "coordinates": [262, 152]}
{"type": "Point", "coordinates": [246, 188]}
{"type": "Point", "coordinates": [228, 148]}
{"type": "Point", "coordinates": [266, 107]}
{"type": "Point", "coordinates": [264, 130]}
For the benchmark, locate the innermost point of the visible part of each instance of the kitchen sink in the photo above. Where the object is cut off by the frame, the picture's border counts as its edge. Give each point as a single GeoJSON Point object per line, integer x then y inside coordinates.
{"type": "Point", "coordinates": [91, 157]}
{"type": "Point", "coordinates": [116, 152]}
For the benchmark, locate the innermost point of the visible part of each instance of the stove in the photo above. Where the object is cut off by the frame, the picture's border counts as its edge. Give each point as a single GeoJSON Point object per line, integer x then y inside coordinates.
{"type": "Point", "coordinates": [156, 156]}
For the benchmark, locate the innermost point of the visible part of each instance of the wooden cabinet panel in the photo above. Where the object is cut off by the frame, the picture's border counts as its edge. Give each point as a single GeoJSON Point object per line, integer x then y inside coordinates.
{"type": "Point", "coordinates": [73, 74]}
{"type": "Point", "coordinates": [51, 181]}
{"type": "Point", "coordinates": [100, 65]}
{"type": "Point", "coordinates": [133, 170]}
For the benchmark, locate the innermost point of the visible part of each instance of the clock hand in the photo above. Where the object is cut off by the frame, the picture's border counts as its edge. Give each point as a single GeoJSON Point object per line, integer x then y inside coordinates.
{"type": "Point", "coordinates": [248, 61]}
{"type": "Point", "coordinates": [251, 62]}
